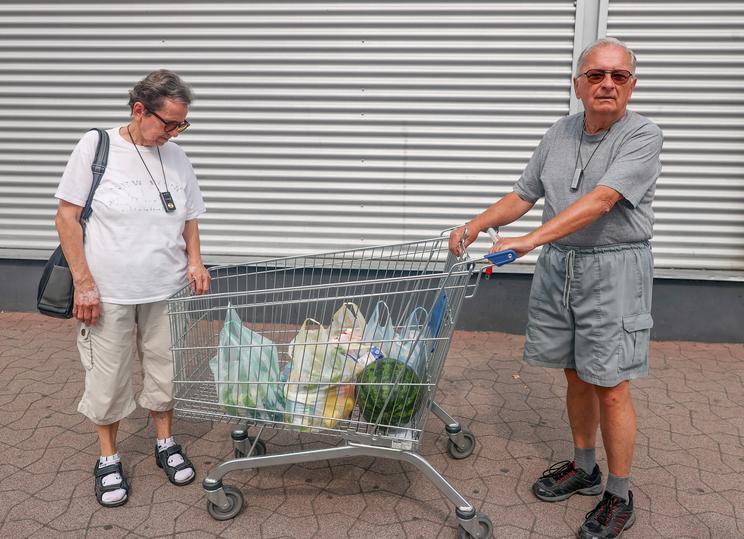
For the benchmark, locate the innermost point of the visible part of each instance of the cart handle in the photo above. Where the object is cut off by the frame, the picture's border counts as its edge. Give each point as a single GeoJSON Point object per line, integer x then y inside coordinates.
{"type": "Point", "coordinates": [499, 258]}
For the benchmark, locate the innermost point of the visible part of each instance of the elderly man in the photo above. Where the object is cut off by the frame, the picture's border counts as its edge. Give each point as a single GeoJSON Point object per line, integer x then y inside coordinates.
{"type": "Point", "coordinates": [590, 303]}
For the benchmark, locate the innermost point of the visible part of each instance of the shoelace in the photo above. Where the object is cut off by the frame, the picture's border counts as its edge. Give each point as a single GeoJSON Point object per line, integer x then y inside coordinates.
{"type": "Point", "coordinates": [603, 511]}
{"type": "Point", "coordinates": [559, 469]}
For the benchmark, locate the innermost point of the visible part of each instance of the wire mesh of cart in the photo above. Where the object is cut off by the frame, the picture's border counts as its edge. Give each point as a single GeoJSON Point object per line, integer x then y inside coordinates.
{"type": "Point", "coordinates": [348, 344]}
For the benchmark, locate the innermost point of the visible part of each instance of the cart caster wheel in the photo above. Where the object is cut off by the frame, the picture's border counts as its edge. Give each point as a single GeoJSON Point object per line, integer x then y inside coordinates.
{"type": "Point", "coordinates": [235, 497]}
{"type": "Point", "coordinates": [259, 450]}
{"type": "Point", "coordinates": [465, 451]}
{"type": "Point", "coordinates": [485, 529]}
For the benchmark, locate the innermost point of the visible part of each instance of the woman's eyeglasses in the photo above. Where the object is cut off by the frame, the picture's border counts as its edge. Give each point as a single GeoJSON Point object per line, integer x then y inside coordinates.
{"type": "Point", "coordinates": [170, 126]}
{"type": "Point", "coordinates": [618, 76]}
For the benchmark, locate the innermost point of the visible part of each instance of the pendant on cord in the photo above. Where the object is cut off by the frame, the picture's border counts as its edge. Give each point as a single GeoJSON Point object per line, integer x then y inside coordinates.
{"type": "Point", "coordinates": [578, 173]}
{"type": "Point", "coordinates": [167, 200]}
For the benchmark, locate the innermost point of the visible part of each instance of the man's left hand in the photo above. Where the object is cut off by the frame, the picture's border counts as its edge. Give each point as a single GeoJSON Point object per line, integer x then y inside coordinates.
{"type": "Point", "coordinates": [199, 278]}
{"type": "Point", "coordinates": [521, 245]}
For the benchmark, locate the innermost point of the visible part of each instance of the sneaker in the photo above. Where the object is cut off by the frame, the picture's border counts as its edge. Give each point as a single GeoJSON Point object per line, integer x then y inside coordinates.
{"type": "Point", "coordinates": [609, 519]}
{"type": "Point", "coordinates": [563, 479]}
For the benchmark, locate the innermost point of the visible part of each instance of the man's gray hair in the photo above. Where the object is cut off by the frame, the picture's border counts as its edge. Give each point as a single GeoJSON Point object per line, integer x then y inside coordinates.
{"type": "Point", "coordinates": [603, 42]}
{"type": "Point", "coordinates": [158, 86]}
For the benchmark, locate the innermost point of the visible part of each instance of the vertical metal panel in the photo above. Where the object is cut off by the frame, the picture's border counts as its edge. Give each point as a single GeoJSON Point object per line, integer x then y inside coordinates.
{"type": "Point", "coordinates": [691, 82]}
{"type": "Point", "coordinates": [316, 125]}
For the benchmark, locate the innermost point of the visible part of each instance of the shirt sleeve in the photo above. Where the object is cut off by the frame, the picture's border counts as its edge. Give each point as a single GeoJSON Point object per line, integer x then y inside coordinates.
{"type": "Point", "coordinates": [529, 187]}
{"type": "Point", "coordinates": [77, 178]}
{"type": "Point", "coordinates": [194, 201]}
{"type": "Point", "coordinates": [637, 166]}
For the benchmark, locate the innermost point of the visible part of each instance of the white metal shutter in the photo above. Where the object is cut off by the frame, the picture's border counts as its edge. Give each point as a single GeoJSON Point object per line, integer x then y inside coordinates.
{"type": "Point", "coordinates": [316, 125]}
{"type": "Point", "coordinates": [691, 82]}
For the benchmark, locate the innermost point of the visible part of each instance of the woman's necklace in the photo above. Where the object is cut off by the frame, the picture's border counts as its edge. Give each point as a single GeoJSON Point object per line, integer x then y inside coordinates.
{"type": "Point", "coordinates": [165, 197]}
{"type": "Point", "coordinates": [580, 167]}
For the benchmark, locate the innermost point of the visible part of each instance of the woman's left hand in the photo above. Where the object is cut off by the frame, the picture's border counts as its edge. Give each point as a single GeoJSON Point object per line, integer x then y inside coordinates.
{"type": "Point", "coordinates": [199, 278]}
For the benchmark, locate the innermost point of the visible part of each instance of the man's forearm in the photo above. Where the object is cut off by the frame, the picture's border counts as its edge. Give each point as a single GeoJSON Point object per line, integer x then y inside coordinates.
{"type": "Point", "coordinates": [578, 215]}
{"type": "Point", "coordinates": [507, 210]}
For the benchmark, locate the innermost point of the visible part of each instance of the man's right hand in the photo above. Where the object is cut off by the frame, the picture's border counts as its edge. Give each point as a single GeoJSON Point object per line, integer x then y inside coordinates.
{"type": "Point", "coordinates": [87, 307]}
{"type": "Point", "coordinates": [459, 239]}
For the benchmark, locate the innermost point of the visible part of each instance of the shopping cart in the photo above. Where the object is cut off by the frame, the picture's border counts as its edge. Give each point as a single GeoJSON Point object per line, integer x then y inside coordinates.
{"type": "Point", "coordinates": [381, 403]}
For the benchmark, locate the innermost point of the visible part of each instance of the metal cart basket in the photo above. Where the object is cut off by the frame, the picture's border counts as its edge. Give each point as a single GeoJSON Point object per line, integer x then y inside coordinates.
{"type": "Point", "coordinates": [266, 348]}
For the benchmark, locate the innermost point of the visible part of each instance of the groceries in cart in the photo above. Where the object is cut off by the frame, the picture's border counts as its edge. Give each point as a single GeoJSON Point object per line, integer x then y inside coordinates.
{"type": "Point", "coordinates": [246, 372]}
{"type": "Point", "coordinates": [370, 382]}
{"type": "Point", "coordinates": [388, 393]}
{"type": "Point", "coordinates": [324, 362]}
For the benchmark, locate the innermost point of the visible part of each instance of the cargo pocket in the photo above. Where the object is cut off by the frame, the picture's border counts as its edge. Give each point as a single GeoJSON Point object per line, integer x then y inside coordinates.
{"type": "Point", "coordinates": [85, 346]}
{"type": "Point", "coordinates": [637, 334]}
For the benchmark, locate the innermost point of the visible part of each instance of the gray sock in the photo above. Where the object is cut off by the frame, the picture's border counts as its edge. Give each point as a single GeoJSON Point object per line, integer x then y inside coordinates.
{"type": "Point", "coordinates": [585, 459]}
{"type": "Point", "coordinates": [618, 486]}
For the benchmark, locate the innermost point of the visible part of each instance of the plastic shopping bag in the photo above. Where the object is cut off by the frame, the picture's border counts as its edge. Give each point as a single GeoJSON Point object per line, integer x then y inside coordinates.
{"type": "Point", "coordinates": [379, 332]}
{"type": "Point", "coordinates": [324, 364]}
{"type": "Point", "coordinates": [246, 356]}
{"type": "Point", "coordinates": [412, 344]}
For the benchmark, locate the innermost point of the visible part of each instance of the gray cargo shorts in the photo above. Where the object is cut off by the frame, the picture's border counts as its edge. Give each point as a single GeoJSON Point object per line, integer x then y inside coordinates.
{"type": "Point", "coordinates": [590, 310]}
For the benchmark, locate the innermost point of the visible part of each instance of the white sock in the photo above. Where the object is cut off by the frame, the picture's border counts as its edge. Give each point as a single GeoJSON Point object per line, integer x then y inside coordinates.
{"type": "Point", "coordinates": [175, 460]}
{"type": "Point", "coordinates": [119, 494]}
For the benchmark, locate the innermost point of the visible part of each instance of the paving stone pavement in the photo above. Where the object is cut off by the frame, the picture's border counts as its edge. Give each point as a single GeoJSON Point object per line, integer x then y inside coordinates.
{"type": "Point", "coordinates": [688, 475]}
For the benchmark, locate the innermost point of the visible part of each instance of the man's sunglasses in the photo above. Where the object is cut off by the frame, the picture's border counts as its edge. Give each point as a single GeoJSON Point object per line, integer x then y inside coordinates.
{"type": "Point", "coordinates": [618, 76]}
{"type": "Point", "coordinates": [170, 126]}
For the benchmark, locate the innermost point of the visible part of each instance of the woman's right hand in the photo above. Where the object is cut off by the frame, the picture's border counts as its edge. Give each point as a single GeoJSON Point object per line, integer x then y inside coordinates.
{"type": "Point", "coordinates": [460, 238]}
{"type": "Point", "coordinates": [87, 306]}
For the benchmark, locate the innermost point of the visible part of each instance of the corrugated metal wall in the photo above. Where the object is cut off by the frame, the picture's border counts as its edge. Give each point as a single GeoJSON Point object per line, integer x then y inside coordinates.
{"type": "Point", "coordinates": [330, 125]}
{"type": "Point", "coordinates": [316, 125]}
{"type": "Point", "coordinates": [691, 82]}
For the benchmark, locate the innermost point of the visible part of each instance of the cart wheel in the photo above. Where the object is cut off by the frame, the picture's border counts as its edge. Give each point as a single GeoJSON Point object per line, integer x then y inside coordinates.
{"type": "Point", "coordinates": [467, 449]}
{"type": "Point", "coordinates": [259, 450]}
{"type": "Point", "coordinates": [486, 529]}
{"type": "Point", "coordinates": [235, 497]}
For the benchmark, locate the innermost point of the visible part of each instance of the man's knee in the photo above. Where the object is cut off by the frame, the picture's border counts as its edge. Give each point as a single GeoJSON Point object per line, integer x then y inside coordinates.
{"type": "Point", "coordinates": [616, 396]}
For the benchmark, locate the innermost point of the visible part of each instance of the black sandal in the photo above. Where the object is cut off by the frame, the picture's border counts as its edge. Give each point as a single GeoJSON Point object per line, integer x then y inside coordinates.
{"type": "Point", "coordinates": [161, 458]}
{"type": "Point", "coordinates": [100, 473]}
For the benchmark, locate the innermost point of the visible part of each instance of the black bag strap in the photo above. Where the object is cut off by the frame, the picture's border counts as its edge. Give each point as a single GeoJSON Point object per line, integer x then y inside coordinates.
{"type": "Point", "coordinates": [98, 167]}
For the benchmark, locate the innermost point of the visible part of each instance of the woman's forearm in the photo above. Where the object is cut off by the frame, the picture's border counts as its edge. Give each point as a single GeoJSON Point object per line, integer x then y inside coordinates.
{"type": "Point", "coordinates": [71, 239]}
{"type": "Point", "coordinates": [193, 243]}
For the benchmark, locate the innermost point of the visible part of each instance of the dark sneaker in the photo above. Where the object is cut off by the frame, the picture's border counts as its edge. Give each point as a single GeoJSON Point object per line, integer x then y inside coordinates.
{"type": "Point", "coordinates": [563, 479]}
{"type": "Point", "coordinates": [609, 519]}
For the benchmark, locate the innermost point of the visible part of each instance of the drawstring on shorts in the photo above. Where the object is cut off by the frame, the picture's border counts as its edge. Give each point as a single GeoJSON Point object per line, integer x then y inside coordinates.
{"type": "Point", "coordinates": [570, 256]}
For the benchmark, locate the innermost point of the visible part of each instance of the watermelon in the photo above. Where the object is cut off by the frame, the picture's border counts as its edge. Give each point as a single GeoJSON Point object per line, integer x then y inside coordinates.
{"type": "Point", "coordinates": [397, 398]}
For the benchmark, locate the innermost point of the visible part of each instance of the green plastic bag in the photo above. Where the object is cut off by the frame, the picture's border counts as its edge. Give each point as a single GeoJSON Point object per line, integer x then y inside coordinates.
{"type": "Point", "coordinates": [249, 362]}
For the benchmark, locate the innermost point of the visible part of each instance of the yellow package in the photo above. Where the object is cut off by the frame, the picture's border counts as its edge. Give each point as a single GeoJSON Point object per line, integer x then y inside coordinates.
{"type": "Point", "coordinates": [338, 405]}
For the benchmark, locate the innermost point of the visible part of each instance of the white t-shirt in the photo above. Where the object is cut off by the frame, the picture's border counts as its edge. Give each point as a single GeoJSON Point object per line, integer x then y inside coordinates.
{"type": "Point", "coordinates": [134, 248]}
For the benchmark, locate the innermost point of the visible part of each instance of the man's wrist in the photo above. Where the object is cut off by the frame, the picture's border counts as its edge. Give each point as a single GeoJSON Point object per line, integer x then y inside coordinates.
{"type": "Point", "coordinates": [534, 239]}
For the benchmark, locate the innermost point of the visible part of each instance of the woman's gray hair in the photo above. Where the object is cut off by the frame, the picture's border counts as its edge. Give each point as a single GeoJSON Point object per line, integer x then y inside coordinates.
{"type": "Point", "coordinates": [603, 42]}
{"type": "Point", "coordinates": [158, 86]}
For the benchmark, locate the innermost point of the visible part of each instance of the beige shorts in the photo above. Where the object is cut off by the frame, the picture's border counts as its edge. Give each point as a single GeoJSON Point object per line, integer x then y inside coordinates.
{"type": "Point", "coordinates": [107, 351]}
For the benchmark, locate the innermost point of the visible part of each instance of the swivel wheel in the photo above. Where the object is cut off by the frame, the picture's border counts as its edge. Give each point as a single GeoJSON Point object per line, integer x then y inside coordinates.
{"type": "Point", "coordinates": [467, 448]}
{"type": "Point", "coordinates": [235, 499]}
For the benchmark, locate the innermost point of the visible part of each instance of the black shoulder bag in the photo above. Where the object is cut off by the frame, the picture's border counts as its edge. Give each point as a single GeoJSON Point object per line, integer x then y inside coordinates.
{"type": "Point", "coordinates": [56, 294]}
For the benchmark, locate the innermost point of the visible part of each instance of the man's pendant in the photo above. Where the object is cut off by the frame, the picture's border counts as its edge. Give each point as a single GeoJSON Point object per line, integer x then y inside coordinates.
{"type": "Point", "coordinates": [578, 173]}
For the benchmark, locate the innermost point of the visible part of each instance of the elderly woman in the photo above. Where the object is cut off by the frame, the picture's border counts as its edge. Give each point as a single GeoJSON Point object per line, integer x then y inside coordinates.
{"type": "Point", "coordinates": [141, 244]}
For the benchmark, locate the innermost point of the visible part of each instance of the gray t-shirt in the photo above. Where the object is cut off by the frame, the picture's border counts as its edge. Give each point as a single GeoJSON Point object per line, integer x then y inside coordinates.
{"type": "Point", "coordinates": [627, 160]}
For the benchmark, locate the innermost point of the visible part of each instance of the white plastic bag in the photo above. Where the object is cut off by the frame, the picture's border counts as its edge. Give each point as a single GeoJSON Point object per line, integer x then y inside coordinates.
{"type": "Point", "coordinates": [379, 332]}
{"type": "Point", "coordinates": [325, 363]}
{"type": "Point", "coordinates": [412, 344]}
